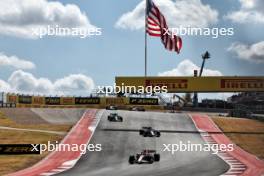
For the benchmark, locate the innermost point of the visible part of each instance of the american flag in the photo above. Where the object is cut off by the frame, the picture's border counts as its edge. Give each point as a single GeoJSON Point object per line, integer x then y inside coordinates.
{"type": "Point", "coordinates": [156, 26]}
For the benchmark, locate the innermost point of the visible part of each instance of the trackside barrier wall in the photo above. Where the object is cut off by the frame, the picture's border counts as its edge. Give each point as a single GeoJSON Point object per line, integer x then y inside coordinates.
{"type": "Point", "coordinates": [27, 101]}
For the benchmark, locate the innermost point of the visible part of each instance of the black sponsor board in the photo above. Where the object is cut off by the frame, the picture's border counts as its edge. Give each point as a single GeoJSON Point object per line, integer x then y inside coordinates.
{"type": "Point", "coordinates": [87, 100]}
{"type": "Point", "coordinates": [19, 149]}
{"type": "Point", "coordinates": [52, 100]}
{"type": "Point", "coordinates": [144, 101]}
{"type": "Point", "coordinates": [23, 99]}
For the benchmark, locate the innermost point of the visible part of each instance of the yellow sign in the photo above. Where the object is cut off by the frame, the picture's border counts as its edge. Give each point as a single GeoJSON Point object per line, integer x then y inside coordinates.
{"type": "Point", "coordinates": [115, 101]}
{"type": "Point", "coordinates": [38, 100]}
{"type": "Point", "coordinates": [197, 84]}
{"type": "Point", "coordinates": [67, 101]}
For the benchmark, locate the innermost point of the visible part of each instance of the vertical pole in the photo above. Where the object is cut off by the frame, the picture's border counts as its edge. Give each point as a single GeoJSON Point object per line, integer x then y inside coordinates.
{"type": "Point", "coordinates": [146, 38]}
{"type": "Point", "coordinates": [202, 67]}
{"type": "Point", "coordinates": [195, 95]}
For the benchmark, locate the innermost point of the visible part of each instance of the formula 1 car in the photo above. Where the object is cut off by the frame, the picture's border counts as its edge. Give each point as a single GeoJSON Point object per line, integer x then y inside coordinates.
{"type": "Point", "coordinates": [146, 156]}
{"type": "Point", "coordinates": [149, 132]}
{"type": "Point", "coordinates": [111, 107]}
{"type": "Point", "coordinates": [114, 117]}
{"type": "Point", "coordinates": [137, 108]}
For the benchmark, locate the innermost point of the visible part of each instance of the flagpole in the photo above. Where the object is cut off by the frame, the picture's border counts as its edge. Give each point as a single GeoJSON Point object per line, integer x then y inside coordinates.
{"type": "Point", "coordinates": [146, 42]}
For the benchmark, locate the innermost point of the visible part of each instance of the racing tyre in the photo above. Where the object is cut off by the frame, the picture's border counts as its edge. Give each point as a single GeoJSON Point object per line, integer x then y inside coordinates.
{"type": "Point", "coordinates": [157, 157]}
{"type": "Point", "coordinates": [141, 132]}
{"type": "Point", "coordinates": [121, 119]}
{"type": "Point", "coordinates": [158, 134]}
{"type": "Point", "coordinates": [131, 159]}
{"type": "Point", "coordinates": [151, 160]}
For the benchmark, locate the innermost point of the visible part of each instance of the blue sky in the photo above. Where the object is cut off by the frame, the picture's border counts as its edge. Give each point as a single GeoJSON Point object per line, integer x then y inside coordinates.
{"type": "Point", "coordinates": [120, 51]}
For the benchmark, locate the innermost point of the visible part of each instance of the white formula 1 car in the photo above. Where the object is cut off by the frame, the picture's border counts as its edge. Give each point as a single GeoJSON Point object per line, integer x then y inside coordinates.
{"type": "Point", "coordinates": [146, 156]}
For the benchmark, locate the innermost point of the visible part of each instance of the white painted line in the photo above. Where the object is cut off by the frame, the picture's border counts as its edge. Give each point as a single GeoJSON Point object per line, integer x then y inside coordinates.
{"type": "Point", "coordinates": [58, 170]}
{"type": "Point", "coordinates": [47, 173]}
{"type": "Point", "coordinates": [237, 169]}
{"type": "Point", "coordinates": [64, 167]}
{"type": "Point", "coordinates": [229, 157]}
{"type": "Point", "coordinates": [70, 163]}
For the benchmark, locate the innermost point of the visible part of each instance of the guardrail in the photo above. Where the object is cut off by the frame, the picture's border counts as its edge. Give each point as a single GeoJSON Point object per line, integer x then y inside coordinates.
{"type": "Point", "coordinates": [28, 100]}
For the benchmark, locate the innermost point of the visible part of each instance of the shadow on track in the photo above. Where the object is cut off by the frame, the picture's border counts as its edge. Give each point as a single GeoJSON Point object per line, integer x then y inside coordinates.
{"type": "Point", "coordinates": [187, 132]}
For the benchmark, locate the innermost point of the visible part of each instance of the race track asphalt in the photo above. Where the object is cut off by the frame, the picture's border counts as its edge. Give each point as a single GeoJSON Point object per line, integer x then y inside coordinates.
{"type": "Point", "coordinates": [120, 140]}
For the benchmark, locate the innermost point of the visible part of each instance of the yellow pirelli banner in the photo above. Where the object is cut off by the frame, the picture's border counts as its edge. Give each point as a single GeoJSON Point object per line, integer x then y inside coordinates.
{"type": "Point", "coordinates": [195, 84]}
{"type": "Point", "coordinates": [114, 100]}
{"type": "Point", "coordinates": [67, 101]}
{"type": "Point", "coordinates": [38, 100]}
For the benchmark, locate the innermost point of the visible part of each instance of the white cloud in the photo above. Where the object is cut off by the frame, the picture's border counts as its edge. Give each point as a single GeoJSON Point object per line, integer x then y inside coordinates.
{"type": "Point", "coordinates": [250, 11]}
{"type": "Point", "coordinates": [186, 68]}
{"type": "Point", "coordinates": [4, 86]}
{"type": "Point", "coordinates": [14, 61]}
{"type": "Point", "coordinates": [254, 52]}
{"type": "Point", "coordinates": [18, 17]}
{"type": "Point", "coordinates": [180, 13]}
{"type": "Point", "coordinates": [73, 83]}
{"type": "Point", "coordinates": [24, 82]}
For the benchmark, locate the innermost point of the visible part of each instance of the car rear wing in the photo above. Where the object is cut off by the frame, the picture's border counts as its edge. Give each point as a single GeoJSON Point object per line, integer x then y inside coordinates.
{"type": "Point", "coordinates": [149, 151]}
